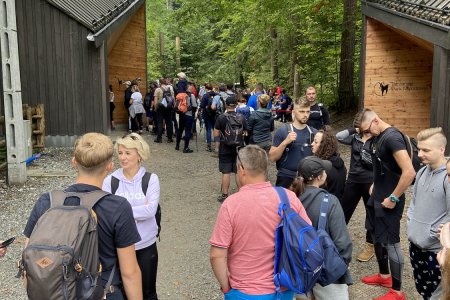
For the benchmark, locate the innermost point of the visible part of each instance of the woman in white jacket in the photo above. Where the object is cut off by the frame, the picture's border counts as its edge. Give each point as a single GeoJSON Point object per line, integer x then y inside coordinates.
{"type": "Point", "coordinates": [128, 182]}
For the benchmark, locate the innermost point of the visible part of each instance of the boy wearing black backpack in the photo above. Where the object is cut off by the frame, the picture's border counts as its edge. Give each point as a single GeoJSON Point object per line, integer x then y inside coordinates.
{"type": "Point", "coordinates": [230, 128]}
{"type": "Point", "coordinates": [393, 174]}
{"type": "Point", "coordinates": [51, 262]}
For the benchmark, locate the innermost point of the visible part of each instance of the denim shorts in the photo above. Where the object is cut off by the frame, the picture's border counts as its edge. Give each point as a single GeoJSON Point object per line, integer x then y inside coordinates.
{"type": "Point", "coordinates": [237, 295]}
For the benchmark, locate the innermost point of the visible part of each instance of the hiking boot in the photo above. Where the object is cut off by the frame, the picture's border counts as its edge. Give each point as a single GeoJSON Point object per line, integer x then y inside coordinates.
{"type": "Point", "coordinates": [177, 147]}
{"type": "Point", "coordinates": [187, 150]}
{"type": "Point", "coordinates": [378, 280]}
{"type": "Point", "coordinates": [170, 140]}
{"type": "Point", "coordinates": [209, 149]}
{"type": "Point", "coordinates": [222, 198]}
{"type": "Point", "coordinates": [159, 141]}
{"type": "Point", "coordinates": [367, 253]}
{"type": "Point", "coordinates": [392, 295]}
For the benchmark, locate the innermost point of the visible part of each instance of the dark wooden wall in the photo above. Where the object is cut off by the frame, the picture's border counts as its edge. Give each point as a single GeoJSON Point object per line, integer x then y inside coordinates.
{"type": "Point", "coordinates": [61, 69]}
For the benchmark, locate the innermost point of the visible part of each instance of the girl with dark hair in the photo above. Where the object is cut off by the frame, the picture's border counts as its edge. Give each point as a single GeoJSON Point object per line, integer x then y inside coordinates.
{"type": "Point", "coordinates": [312, 174]}
{"type": "Point", "coordinates": [325, 147]}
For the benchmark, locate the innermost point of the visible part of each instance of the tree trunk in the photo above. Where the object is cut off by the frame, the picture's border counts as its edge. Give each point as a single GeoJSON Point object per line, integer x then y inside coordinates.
{"type": "Point", "coordinates": [274, 55]}
{"type": "Point", "coordinates": [297, 88]}
{"type": "Point", "coordinates": [178, 55]}
{"type": "Point", "coordinates": [347, 66]}
{"type": "Point", "coordinates": [161, 53]}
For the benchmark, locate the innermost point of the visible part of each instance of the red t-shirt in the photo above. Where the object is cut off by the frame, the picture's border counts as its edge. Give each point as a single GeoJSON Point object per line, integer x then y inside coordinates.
{"type": "Point", "coordinates": [246, 226]}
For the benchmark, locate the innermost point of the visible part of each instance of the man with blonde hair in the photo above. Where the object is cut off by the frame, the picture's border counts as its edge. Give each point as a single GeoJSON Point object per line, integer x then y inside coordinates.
{"type": "Point", "coordinates": [292, 143]}
{"type": "Point", "coordinates": [393, 174]}
{"type": "Point", "coordinates": [117, 232]}
{"type": "Point", "coordinates": [429, 209]}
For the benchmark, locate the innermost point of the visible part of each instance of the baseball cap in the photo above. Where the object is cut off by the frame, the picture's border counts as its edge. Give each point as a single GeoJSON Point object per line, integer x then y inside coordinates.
{"type": "Point", "coordinates": [181, 75]}
{"type": "Point", "coordinates": [312, 166]}
{"type": "Point", "coordinates": [127, 83]}
{"type": "Point", "coordinates": [231, 100]}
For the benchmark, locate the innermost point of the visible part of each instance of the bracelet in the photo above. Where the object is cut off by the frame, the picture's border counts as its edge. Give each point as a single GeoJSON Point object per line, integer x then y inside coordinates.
{"type": "Point", "coordinates": [394, 198]}
{"type": "Point", "coordinates": [225, 291]}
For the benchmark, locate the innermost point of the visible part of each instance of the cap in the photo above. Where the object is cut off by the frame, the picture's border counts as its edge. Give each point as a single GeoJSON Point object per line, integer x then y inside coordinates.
{"type": "Point", "coordinates": [231, 100]}
{"type": "Point", "coordinates": [310, 167]}
{"type": "Point", "coordinates": [181, 75]}
{"type": "Point", "coordinates": [127, 83]}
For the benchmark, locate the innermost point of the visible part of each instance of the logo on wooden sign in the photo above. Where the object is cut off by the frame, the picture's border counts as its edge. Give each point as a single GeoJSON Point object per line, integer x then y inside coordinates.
{"type": "Point", "coordinates": [381, 88]}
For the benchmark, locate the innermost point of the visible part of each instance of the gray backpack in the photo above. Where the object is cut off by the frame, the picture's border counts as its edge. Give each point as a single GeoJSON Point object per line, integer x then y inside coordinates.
{"type": "Point", "coordinates": [61, 259]}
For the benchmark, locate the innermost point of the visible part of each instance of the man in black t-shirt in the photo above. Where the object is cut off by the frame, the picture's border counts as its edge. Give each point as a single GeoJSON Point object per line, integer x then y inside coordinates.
{"type": "Point", "coordinates": [393, 174]}
{"type": "Point", "coordinates": [117, 232]}
{"type": "Point", "coordinates": [319, 115]}
{"type": "Point", "coordinates": [228, 154]}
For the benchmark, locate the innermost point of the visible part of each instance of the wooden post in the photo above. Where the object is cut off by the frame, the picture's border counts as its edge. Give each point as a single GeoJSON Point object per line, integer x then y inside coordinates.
{"type": "Point", "coordinates": [177, 47]}
{"type": "Point", "coordinates": [14, 125]}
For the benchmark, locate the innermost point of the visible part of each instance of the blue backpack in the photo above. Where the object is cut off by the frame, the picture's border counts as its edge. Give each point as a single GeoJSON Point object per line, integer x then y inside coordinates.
{"type": "Point", "coordinates": [334, 267]}
{"type": "Point", "coordinates": [298, 251]}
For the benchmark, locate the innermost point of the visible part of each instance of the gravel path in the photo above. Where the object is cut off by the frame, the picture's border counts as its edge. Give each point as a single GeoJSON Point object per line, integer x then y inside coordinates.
{"type": "Point", "coordinates": [190, 184]}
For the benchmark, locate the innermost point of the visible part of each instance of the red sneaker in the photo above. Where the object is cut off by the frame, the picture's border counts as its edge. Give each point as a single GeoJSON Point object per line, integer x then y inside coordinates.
{"type": "Point", "coordinates": [378, 280]}
{"type": "Point", "coordinates": [392, 295]}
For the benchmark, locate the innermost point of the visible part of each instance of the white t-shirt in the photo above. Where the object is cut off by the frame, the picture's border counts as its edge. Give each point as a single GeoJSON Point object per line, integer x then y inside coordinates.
{"type": "Point", "coordinates": [136, 97]}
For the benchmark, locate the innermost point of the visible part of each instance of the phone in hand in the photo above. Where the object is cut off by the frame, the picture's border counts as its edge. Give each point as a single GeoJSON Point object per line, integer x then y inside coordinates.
{"type": "Point", "coordinates": [7, 242]}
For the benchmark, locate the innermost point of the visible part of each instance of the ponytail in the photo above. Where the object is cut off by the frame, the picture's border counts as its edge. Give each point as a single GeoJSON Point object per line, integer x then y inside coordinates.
{"type": "Point", "coordinates": [298, 186]}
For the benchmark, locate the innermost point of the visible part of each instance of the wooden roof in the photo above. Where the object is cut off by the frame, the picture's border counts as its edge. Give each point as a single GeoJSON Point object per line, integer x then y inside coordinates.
{"type": "Point", "coordinates": [93, 14]}
{"type": "Point", "coordinates": [436, 11]}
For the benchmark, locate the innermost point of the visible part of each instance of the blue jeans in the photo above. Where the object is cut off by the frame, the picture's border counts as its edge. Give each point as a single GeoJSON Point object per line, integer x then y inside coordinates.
{"type": "Point", "coordinates": [237, 295]}
{"type": "Point", "coordinates": [209, 124]}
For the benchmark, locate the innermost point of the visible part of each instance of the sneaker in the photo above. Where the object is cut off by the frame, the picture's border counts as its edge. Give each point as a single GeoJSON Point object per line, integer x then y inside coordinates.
{"type": "Point", "coordinates": [177, 147]}
{"type": "Point", "coordinates": [367, 253]}
{"type": "Point", "coordinates": [222, 198]}
{"type": "Point", "coordinates": [159, 141]}
{"type": "Point", "coordinates": [378, 280]}
{"type": "Point", "coordinates": [392, 295]}
{"type": "Point", "coordinates": [187, 150]}
{"type": "Point", "coordinates": [140, 131]}
{"type": "Point", "coordinates": [209, 149]}
{"type": "Point", "coordinates": [170, 140]}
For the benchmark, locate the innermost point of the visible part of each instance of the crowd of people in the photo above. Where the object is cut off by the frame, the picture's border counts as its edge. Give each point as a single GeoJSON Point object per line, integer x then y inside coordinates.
{"type": "Point", "coordinates": [238, 127]}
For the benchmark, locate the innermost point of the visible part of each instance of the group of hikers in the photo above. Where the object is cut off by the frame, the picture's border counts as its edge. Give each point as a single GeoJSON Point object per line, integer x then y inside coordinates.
{"type": "Point", "coordinates": [62, 259]}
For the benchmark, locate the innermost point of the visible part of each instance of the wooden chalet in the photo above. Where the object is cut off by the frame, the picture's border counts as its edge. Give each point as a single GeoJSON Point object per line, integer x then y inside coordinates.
{"type": "Point", "coordinates": [405, 62]}
{"type": "Point", "coordinates": [69, 53]}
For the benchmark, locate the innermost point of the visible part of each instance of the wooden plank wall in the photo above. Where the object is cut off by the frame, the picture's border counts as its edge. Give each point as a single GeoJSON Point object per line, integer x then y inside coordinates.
{"type": "Point", "coordinates": [60, 68]}
{"type": "Point", "coordinates": [395, 61]}
{"type": "Point", "coordinates": [127, 60]}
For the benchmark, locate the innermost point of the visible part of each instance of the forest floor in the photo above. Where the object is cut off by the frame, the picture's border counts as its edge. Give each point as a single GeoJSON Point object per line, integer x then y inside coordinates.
{"type": "Point", "coordinates": [190, 185]}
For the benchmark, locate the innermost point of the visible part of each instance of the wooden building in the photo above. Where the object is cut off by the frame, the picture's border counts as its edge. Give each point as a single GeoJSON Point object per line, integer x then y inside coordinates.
{"type": "Point", "coordinates": [69, 54]}
{"type": "Point", "coordinates": [405, 62]}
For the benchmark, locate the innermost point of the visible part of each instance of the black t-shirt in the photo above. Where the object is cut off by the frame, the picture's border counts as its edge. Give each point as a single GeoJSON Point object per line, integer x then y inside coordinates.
{"type": "Point", "coordinates": [386, 170]}
{"type": "Point", "coordinates": [221, 124]}
{"type": "Point", "coordinates": [116, 225]}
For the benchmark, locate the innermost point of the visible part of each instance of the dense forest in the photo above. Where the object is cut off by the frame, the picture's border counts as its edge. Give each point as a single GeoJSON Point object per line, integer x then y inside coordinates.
{"type": "Point", "coordinates": [286, 43]}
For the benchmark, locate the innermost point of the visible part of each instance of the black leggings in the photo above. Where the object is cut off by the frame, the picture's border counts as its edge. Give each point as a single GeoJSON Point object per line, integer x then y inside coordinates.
{"type": "Point", "coordinates": [390, 255]}
{"type": "Point", "coordinates": [349, 201]}
{"type": "Point", "coordinates": [148, 263]}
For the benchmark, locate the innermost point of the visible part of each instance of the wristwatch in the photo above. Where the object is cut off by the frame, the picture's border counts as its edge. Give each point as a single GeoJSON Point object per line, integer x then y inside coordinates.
{"type": "Point", "coordinates": [394, 198]}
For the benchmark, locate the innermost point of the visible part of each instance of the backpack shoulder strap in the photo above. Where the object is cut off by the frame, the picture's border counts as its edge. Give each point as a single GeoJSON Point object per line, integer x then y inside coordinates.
{"type": "Point", "coordinates": [91, 198]}
{"type": "Point", "coordinates": [114, 184]}
{"type": "Point", "coordinates": [324, 208]}
{"type": "Point", "coordinates": [57, 198]}
{"type": "Point", "coordinates": [145, 182]}
{"type": "Point", "coordinates": [284, 201]}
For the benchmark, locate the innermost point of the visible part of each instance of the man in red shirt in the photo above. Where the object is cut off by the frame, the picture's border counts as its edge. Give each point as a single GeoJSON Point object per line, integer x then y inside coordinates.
{"type": "Point", "coordinates": [243, 239]}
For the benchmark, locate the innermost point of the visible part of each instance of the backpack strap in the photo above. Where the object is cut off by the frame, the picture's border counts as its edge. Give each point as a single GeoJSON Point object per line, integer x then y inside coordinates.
{"type": "Point", "coordinates": [114, 184]}
{"type": "Point", "coordinates": [88, 199]}
{"type": "Point", "coordinates": [324, 209]}
{"type": "Point", "coordinates": [145, 182]}
{"type": "Point", "coordinates": [284, 201]}
{"type": "Point", "coordinates": [110, 279]}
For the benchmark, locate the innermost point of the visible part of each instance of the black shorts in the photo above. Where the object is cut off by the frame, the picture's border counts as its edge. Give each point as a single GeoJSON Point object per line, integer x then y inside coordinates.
{"type": "Point", "coordinates": [385, 229]}
{"type": "Point", "coordinates": [227, 163]}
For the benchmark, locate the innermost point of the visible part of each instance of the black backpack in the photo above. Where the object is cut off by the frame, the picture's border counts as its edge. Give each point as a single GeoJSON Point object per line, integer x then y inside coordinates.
{"type": "Point", "coordinates": [145, 181]}
{"type": "Point", "coordinates": [148, 101]}
{"type": "Point", "coordinates": [233, 134]}
{"type": "Point", "coordinates": [411, 148]}
{"type": "Point", "coordinates": [211, 113]}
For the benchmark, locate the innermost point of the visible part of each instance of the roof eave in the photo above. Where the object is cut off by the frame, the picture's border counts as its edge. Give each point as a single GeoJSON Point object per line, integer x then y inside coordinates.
{"type": "Point", "coordinates": [436, 33]}
{"type": "Point", "coordinates": [98, 37]}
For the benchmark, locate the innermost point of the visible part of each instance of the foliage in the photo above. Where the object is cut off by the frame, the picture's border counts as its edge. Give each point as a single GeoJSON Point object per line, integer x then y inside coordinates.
{"type": "Point", "coordinates": [223, 39]}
